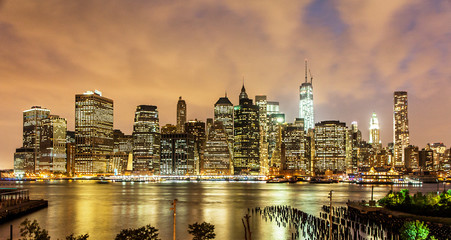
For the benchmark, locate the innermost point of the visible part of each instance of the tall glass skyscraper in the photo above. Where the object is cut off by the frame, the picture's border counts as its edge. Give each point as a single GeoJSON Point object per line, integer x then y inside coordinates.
{"type": "Point", "coordinates": [223, 112]}
{"type": "Point", "coordinates": [177, 154]}
{"type": "Point", "coordinates": [93, 132]}
{"type": "Point", "coordinates": [400, 127]}
{"type": "Point", "coordinates": [246, 156]}
{"type": "Point", "coordinates": [331, 146]}
{"type": "Point", "coordinates": [32, 130]}
{"type": "Point", "coordinates": [293, 139]}
{"type": "Point", "coordinates": [197, 130]}
{"type": "Point", "coordinates": [306, 102]}
{"type": "Point", "coordinates": [262, 103]}
{"type": "Point", "coordinates": [146, 140]}
{"type": "Point", "coordinates": [53, 145]}
{"type": "Point", "coordinates": [217, 153]}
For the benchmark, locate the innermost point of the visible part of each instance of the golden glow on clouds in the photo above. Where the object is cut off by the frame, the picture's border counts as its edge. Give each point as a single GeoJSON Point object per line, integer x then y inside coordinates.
{"type": "Point", "coordinates": [151, 52]}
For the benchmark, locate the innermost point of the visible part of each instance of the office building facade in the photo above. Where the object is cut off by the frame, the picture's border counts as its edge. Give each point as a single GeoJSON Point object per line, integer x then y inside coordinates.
{"type": "Point", "coordinates": [32, 130]}
{"type": "Point", "coordinates": [146, 140]}
{"type": "Point", "coordinates": [330, 146]}
{"type": "Point", "coordinates": [295, 157]}
{"type": "Point", "coordinates": [246, 146]}
{"type": "Point", "coordinates": [400, 128]}
{"type": "Point", "coordinates": [93, 133]}
{"type": "Point", "coordinates": [223, 112]}
{"type": "Point", "coordinates": [197, 129]}
{"type": "Point", "coordinates": [53, 145]}
{"type": "Point", "coordinates": [217, 157]}
{"type": "Point", "coordinates": [262, 105]}
{"type": "Point", "coordinates": [177, 154]}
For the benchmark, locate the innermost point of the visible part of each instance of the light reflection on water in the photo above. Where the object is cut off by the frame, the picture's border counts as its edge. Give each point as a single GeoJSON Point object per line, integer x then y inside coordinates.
{"type": "Point", "coordinates": [102, 210]}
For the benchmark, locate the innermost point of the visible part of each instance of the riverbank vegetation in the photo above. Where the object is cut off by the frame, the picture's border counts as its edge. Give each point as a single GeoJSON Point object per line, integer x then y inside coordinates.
{"type": "Point", "coordinates": [429, 204]}
{"type": "Point", "coordinates": [415, 230]}
{"type": "Point", "coordinates": [201, 231]}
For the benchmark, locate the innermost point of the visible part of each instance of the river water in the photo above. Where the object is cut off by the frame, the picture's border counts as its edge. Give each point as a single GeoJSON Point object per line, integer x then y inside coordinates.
{"type": "Point", "coordinates": [102, 210]}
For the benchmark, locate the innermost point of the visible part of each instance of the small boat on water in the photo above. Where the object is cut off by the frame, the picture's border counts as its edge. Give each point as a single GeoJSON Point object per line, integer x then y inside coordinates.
{"type": "Point", "coordinates": [321, 180]}
{"type": "Point", "coordinates": [103, 182]}
{"type": "Point", "coordinates": [278, 179]}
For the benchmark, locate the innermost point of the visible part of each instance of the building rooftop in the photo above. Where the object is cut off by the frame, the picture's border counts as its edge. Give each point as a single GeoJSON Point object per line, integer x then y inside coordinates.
{"type": "Point", "coordinates": [224, 101]}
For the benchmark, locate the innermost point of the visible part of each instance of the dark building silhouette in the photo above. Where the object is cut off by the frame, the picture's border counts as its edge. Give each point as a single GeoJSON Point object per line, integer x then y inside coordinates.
{"type": "Point", "coordinates": [181, 115]}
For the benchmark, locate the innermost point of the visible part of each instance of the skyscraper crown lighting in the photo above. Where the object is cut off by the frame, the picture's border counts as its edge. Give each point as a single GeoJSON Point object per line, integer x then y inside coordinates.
{"type": "Point", "coordinates": [306, 102]}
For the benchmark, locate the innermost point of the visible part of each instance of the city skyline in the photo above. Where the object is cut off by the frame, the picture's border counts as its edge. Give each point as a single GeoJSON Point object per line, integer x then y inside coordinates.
{"type": "Point", "coordinates": [41, 67]}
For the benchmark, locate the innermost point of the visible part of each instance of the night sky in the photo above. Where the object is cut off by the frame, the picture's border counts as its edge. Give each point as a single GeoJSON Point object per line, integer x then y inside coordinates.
{"type": "Point", "coordinates": [152, 52]}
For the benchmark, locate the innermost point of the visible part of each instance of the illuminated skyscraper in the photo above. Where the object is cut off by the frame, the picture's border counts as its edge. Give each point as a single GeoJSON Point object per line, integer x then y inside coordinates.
{"type": "Point", "coordinates": [217, 157]}
{"type": "Point", "coordinates": [32, 130]}
{"type": "Point", "coordinates": [93, 132]}
{"type": "Point", "coordinates": [439, 154]}
{"type": "Point", "coordinates": [355, 140]}
{"type": "Point", "coordinates": [330, 146]}
{"type": "Point", "coordinates": [224, 113]}
{"type": "Point", "coordinates": [168, 129]}
{"type": "Point", "coordinates": [426, 159]}
{"type": "Point", "coordinates": [272, 107]}
{"type": "Point", "coordinates": [181, 115]}
{"type": "Point", "coordinates": [274, 132]}
{"type": "Point", "coordinates": [24, 161]}
{"type": "Point", "coordinates": [122, 142]}
{"type": "Point", "coordinates": [400, 127]}
{"type": "Point", "coordinates": [246, 156]}
{"type": "Point", "coordinates": [375, 139]}
{"type": "Point", "coordinates": [306, 102]}
{"type": "Point", "coordinates": [243, 94]}
{"type": "Point", "coordinates": [412, 157]}
{"type": "Point", "coordinates": [70, 153]}
{"type": "Point", "coordinates": [208, 125]}
{"type": "Point", "coordinates": [53, 145]}
{"type": "Point", "coordinates": [262, 104]}
{"type": "Point", "coordinates": [146, 140]}
{"type": "Point", "coordinates": [177, 154]}
{"type": "Point", "coordinates": [294, 141]}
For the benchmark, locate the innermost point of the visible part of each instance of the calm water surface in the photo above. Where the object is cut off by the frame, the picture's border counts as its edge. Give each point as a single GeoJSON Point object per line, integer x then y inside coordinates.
{"type": "Point", "coordinates": [102, 210]}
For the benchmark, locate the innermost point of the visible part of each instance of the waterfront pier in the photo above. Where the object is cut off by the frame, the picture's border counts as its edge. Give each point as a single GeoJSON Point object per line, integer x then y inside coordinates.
{"type": "Point", "coordinates": [347, 223]}
{"type": "Point", "coordinates": [16, 202]}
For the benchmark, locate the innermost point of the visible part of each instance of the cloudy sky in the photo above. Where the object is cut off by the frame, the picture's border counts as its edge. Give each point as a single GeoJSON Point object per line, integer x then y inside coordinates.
{"type": "Point", "coordinates": [152, 52]}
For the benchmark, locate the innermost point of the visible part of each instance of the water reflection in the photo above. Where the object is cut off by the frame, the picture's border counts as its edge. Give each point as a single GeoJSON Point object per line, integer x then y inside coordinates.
{"type": "Point", "coordinates": [102, 210]}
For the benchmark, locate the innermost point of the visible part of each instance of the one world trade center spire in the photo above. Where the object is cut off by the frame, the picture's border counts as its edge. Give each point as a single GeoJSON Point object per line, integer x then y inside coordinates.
{"type": "Point", "coordinates": [306, 102]}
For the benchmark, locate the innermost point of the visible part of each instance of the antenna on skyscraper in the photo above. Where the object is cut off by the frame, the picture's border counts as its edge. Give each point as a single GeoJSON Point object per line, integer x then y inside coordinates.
{"type": "Point", "coordinates": [306, 70]}
{"type": "Point", "coordinates": [311, 76]}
